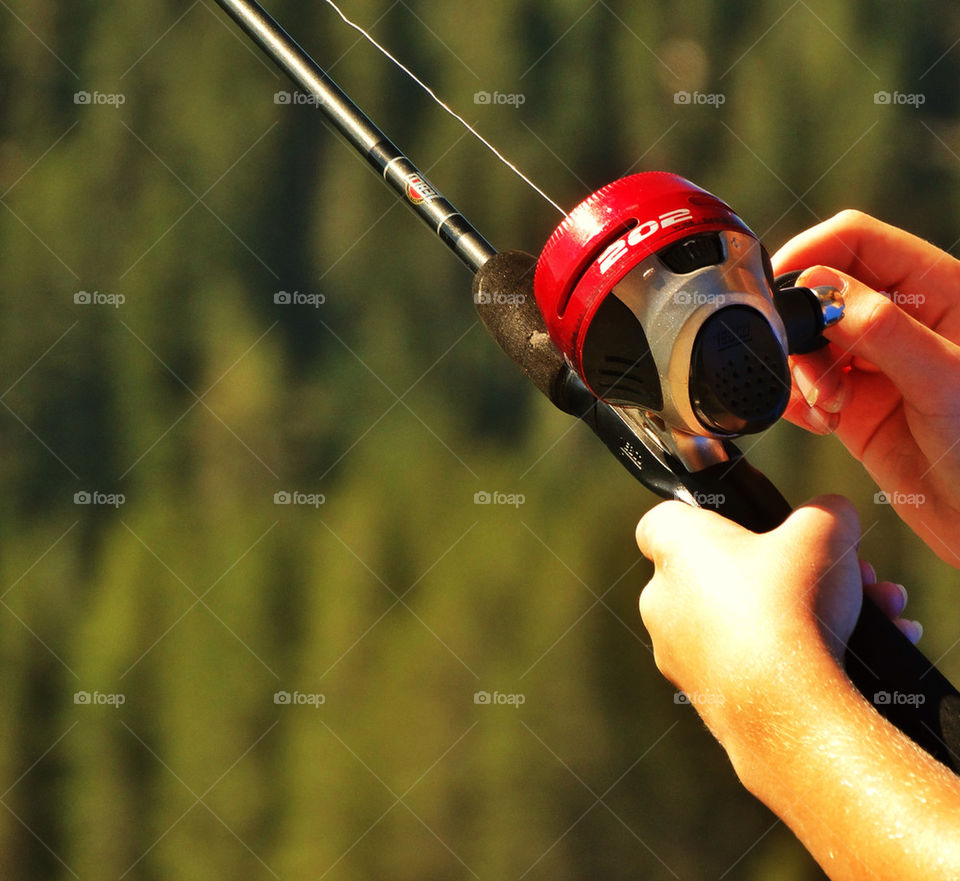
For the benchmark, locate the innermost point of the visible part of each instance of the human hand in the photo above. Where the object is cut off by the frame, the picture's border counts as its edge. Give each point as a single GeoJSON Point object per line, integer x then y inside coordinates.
{"type": "Point", "coordinates": [744, 623]}
{"type": "Point", "coordinates": [752, 627]}
{"type": "Point", "coordinates": [889, 382]}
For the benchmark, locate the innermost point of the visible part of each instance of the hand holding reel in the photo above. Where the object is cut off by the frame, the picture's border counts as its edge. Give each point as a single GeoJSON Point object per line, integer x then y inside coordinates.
{"type": "Point", "coordinates": [670, 337]}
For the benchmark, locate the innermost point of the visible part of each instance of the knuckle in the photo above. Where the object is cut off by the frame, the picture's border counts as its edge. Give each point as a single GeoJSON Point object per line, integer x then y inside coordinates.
{"type": "Point", "coordinates": [848, 217]}
{"type": "Point", "coordinates": [842, 507]}
{"type": "Point", "coordinates": [646, 605]}
{"type": "Point", "coordinates": [881, 316]}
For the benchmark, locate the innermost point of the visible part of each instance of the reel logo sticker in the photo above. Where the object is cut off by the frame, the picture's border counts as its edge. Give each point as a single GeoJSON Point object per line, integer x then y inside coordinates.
{"type": "Point", "coordinates": [419, 190]}
{"type": "Point", "coordinates": [621, 247]}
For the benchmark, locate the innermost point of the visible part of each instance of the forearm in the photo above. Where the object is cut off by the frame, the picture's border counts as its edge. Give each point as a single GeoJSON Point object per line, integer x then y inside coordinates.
{"type": "Point", "coordinates": [862, 798]}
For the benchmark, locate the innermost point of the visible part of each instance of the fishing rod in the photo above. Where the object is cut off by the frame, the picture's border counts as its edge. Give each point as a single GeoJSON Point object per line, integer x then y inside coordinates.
{"type": "Point", "coordinates": [652, 314]}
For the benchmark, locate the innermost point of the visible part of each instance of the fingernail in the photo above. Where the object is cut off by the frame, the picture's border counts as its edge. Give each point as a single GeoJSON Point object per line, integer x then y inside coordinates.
{"type": "Point", "coordinates": [903, 598]}
{"type": "Point", "coordinates": [817, 276]}
{"type": "Point", "coordinates": [913, 630]}
{"type": "Point", "coordinates": [835, 402]}
{"type": "Point", "coordinates": [867, 573]}
{"type": "Point", "coordinates": [820, 422]}
{"type": "Point", "coordinates": [806, 384]}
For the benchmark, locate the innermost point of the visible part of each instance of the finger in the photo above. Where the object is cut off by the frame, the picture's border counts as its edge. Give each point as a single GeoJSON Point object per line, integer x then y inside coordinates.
{"type": "Point", "coordinates": [670, 530]}
{"type": "Point", "coordinates": [829, 529]}
{"type": "Point", "coordinates": [913, 630]}
{"type": "Point", "coordinates": [830, 517]}
{"type": "Point", "coordinates": [891, 598]}
{"type": "Point", "coordinates": [819, 390]}
{"type": "Point", "coordinates": [909, 353]}
{"type": "Point", "coordinates": [868, 574]}
{"type": "Point", "coordinates": [813, 419]}
{"type": "Point", "coordinates": [878, 254]}
{"type": "Point", "coordinates": [647, 603]}
{"type": "Point", "coordinates": [820, 379]}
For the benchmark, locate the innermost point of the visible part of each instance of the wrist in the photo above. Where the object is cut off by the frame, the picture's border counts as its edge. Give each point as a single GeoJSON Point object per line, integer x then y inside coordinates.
{"type": "Point", "coordinates": [770, 720]}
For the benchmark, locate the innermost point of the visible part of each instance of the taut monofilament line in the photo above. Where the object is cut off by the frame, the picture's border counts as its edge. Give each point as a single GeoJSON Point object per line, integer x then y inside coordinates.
{"type": "Point", "coordinates": [442, 104]}
{"type": "Point", "coordinates": [397, 170]}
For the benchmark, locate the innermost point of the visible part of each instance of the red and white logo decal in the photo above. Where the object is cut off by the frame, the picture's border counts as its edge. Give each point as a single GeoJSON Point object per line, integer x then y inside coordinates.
{"type": "Point", "coordinates": [622, 246]}
{"type": "Point", "coordinates": [419, 190]}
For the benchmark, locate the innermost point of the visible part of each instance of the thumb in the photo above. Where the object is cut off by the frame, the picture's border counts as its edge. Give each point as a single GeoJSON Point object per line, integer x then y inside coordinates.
{"type": "Point", "coordinates": [877, 329]}
{"type": "Point", "coordinates": [831, 519]}
{"type": "Point", "coordinates": [829, 530]}
{"type": "Point", "coordinates": [673, 529]}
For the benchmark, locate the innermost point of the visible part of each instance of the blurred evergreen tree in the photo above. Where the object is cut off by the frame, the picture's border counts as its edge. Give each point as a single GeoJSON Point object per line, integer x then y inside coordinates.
{"type": "Point", "coordinates": [197, 200]}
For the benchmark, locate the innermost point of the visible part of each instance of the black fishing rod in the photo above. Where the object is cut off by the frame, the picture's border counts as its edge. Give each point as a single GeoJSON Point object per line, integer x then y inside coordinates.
{"type": "Point", "coordinates": [652, 315]}
{"type": "Point", "coordinates": [371, 143]}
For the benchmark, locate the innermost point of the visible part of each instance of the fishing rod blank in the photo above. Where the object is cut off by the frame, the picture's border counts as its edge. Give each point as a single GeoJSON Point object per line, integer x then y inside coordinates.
{"type": "Point", "coordinates": [379, 151]}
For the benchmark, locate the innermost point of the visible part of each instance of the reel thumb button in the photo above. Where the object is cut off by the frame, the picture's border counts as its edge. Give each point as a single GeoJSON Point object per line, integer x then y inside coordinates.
{"type": "Point", "coordinates": [831, 303]}
{"type": "Point", "coordinates": [806, 312]}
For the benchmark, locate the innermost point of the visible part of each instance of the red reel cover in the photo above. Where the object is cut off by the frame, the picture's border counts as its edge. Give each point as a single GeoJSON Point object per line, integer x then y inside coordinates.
{"type": "Point", "coordinates": [608, 234]}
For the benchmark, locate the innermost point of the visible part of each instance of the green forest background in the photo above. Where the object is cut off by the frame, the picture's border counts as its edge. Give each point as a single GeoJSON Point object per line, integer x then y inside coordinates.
{"type": "Point", "coordinates": [198, 599]}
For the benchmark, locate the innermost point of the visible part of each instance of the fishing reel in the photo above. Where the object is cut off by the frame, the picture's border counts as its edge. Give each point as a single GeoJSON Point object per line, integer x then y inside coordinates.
{"type": "Point", "coordinates": [664, 302]}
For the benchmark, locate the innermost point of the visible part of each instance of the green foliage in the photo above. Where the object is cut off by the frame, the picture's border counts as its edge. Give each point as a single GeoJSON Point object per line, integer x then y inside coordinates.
{"type": "Point", "coordinates": [397, 599]}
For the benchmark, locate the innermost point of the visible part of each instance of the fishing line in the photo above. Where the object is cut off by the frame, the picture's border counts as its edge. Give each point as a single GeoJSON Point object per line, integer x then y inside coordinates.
{"type": "Point", "coordinates": [384, 51]}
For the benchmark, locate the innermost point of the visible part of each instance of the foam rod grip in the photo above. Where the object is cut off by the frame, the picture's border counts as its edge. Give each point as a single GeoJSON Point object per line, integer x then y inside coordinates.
{"type": "Point", "coordinates": [886, 668]}
{"type": "Point", "coordinates": [906, 689]}
{"type": "Point", "coordinates": [503, 296]}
